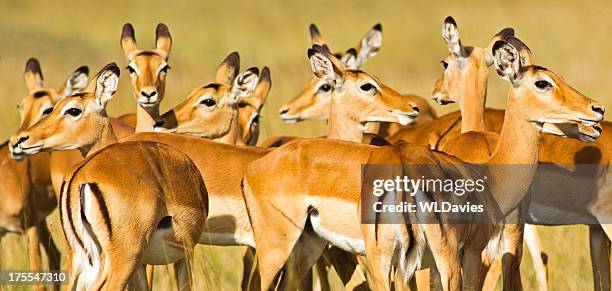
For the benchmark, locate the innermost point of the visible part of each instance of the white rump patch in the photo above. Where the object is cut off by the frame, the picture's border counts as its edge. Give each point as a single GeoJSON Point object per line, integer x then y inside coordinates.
{"type": "Point", "coordinates": [351, 245]}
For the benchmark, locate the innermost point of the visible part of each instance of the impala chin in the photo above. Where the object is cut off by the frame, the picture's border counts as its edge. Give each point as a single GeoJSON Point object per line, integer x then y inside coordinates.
{"type": "Point", "coordinates": [163, 129]}
{"type": "Point", "coordinates": [147, 103]}
{"type": "Point", "coordinates": [16, 152]}
{"type": "Point", "coordinates": [289, 119]}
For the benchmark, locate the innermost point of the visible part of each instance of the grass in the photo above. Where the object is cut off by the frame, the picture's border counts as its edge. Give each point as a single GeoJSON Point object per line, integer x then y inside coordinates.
{"type": "Point", "coordinates": [570, 38]}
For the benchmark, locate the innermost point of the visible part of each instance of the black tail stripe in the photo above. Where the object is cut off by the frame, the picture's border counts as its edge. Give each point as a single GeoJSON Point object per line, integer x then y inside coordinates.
{"type": "Point", "coordinates": [86, 224]}
{"type": "Point", "coordinates": [103, 208]}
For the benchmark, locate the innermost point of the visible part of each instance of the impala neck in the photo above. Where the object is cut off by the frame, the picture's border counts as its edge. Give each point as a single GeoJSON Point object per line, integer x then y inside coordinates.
{"type": "Point", "coordinates": [517, 149]}
{"type": "Point", "coordinates": [474, 96]}
{"type": "Point", "coordinates": [105, 138]}
{"type": "Point", "coordinates": [231, 135]}
{"type": "Point", "coordinates": [341, 125]}
{"type": "Point", "coordinates": [145, 118]}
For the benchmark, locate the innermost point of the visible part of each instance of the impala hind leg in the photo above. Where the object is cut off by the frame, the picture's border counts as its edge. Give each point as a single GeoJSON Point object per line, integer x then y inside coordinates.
{"type": "Point", "coordinates": [600, 257]}
{"type": "Point", "coordinates": [34, 252]}
{"type": "Point", "coordinates": [539, 258]}
{"type": "Point", "coordinates": [183, 273]}
{"type": "Point", "coordinates": [50, 248]}
{"type": "Point", "coordinates": [380, 245]}
{"type": "Point", "coordinates": [511, 258]}
{"type": "Point", "coordinates": [307, 250]}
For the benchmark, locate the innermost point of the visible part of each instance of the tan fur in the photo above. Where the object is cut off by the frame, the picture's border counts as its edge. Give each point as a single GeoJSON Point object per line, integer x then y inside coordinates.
{"type": "Point", "coordinates": [96, 222]}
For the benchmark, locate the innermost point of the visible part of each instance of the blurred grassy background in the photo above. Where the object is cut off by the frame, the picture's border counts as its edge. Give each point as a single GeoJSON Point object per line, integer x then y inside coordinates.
{"type": "Point", "coordinates": [573, 39]}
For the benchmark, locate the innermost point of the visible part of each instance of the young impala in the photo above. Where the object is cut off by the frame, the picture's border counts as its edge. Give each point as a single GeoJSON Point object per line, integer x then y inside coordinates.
{"type": "Point", "coordinates": [161, 187]}
{"type": "Point", "coordinates": [321, 181]}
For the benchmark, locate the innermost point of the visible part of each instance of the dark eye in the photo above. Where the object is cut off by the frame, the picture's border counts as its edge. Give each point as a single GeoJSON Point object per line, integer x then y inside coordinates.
{"type": "Point", "coordinates": [165, 69]}
{"type": "Point", "coordinates": [74, 112]}
{"type": "Point", "coordinates": [255, 119]}
{"type": "Point", "coordinates": [47, 111]}
{"type": "Point", "coordinates": [444, 64]}
{"type": "Point", "coordinates": [366, 87]}
{"type": "Point", "coordinates": [208, 102]}
{"type": "Point", "coordinates": [325, 87]}
{"type": "Point", "coordinates": [543, 84]}
{"type": "Point", "coordinates": [131, 70]}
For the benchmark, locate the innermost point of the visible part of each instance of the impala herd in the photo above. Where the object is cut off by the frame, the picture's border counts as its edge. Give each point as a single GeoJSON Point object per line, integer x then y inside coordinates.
{"type": "Point", "coordinates": [143, 189]}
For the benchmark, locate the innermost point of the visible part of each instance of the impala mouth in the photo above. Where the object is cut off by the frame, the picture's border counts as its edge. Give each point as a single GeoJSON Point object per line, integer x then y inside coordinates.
{"type": "Point", "coordinates": [289, 119]}
{"type": "Point", "coordinates": [31, 149]}
{"type": "Point", "coordinates": [590, 122]}
{"type": "Point", "coordinates": [16, 152]}
{"type": "Point", "coordinates": [440, 99]}
{"type": "Point", "coordinates": [591, 136]}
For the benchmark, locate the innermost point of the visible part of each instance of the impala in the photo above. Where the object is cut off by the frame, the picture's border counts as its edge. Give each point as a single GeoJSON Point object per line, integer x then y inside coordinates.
{"type": "Point", "coordinates": [165, 194]}
{"type": "Point", "coordinates": [320, 182]}
{"type": "Point", "coordinates": [201, 108]}
{"type": "Point", "coordinates": [148, 69]}
{"type": "Point", "coordinates": [456, 76]}
{"type": "Point", "coordinates": [313, 102]}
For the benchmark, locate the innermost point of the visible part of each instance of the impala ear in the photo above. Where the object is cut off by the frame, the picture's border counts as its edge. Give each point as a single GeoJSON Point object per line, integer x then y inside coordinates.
{"type": "Point", "coordinates": [244, 84]}
{"type": "Point", "coordinates": [33, 75]}
{"type": "Point", "coordinates": [263, 88]}
{"type": "Point", "coordinates": [128, 40]}
{"type": "Point", "coordinates": [163, 40]}
{"type": "Point", "coordinates": [370, 44]}
{"type": "Point", "coordinates": [511, 56]}
{"type": "Point", "coordinates": [228, 69]}
{"type": "Point", "coordinates": [349, 59]}
{"type": "Point", "coordinates": [501, 35]}
{"type": "Point", "coordinates": [450, 34]}
{"type": "Point", "coordinates": [105, 83]}
{"type": "Point", "coordinates": [76, 82]}
{"type": "Point", "coordinates": [324, 65]}
{"type": "Point", "coordinates": [315, 35]}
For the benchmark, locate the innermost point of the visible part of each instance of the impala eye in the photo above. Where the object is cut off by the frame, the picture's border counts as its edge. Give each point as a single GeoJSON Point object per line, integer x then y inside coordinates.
{"type": "Point", "coordinates": [366, 87]}
{"type": "Point", "coordinates": [325, 88]}
{"type": "Point", "coordinates": [444, 64]}
{"type": "Point", "coordinates": [131, 70]}
{"type": "Point", "coordinates": [543, 84]}
{"type": "Point", "coordinates": [165, 69]}
{"type": "Point", "coordinates": [47, 111]}
{"type": "Point", "coordinates": [74, 112]}
{"type": "Point", "coordinates": [208, 102]}
{"type": "Point", "coordinates": [255, 120]}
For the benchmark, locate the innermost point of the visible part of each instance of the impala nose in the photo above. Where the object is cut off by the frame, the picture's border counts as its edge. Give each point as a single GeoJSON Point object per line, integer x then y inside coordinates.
{"type": "Point", "coordinates": [283, 110]}
{"type": "Point", "coordinates": [20, 140]}
{"type": "Point", "coordinates": [599, 109]}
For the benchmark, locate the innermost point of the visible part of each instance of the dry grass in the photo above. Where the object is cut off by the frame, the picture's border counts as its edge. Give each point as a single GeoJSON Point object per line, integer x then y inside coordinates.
{"type": "Point", "coordinates": [570, 38]}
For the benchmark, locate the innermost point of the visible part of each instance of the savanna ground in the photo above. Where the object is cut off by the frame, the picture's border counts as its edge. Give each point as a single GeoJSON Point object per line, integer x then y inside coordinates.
{"type": "Point", "coordinates": [570, 38]}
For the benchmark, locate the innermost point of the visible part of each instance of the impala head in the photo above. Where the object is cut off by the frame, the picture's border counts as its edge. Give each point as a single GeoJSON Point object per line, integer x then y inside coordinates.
{"type": "Point", "coordinates": [545, 96]}
{"type": "Point", "coordinates": [209, 110]}
{"type": "Point", "coordinates": [148, 68]}
{"type": "Point", "coordinates": [76, 122]}
{"type": "Point", "coordinates": [312, 103]}
{"type": "Point", "coordinates": [464, 65]}
{"type": "Point", "coordinates": [363, 97]}
{"type": "Point", "coordinates": [249, 109]}
{"type": "Point", "coordinates": [40, 100]}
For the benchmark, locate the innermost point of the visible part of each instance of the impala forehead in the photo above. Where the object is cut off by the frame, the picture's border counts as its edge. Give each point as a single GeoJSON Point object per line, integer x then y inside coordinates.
{"type": "Point", "coordinates": [147, 61]}
{"type": "Point", "coordinates": [360, 77]}
{"type": "Point", "coordinates": [214, 90]}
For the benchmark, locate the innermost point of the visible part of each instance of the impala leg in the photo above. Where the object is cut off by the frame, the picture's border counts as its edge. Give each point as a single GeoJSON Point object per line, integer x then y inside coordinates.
{"type": "Point", "coordinates": [511, 259]}
{"type": "Point", "coordinates": [493, 275]}
{"type": "Point", "coordinates": [379, 252]}
{"type": "Point", "coordinates": [347, 266]}
{"type": "Point", "coordinates": [150, 270]}
{"type": "Point", "coordinates": [305, 254]}
{"type": "Point", "coordinates": [600, 257]}
{"type": "Point", "coordinates": [34, 252]}
{"type": "Point", "coordinates": [322, 268]}
{"type": "Point", "coordinates": [249, 271]}
{"type": "Point", "coordinates": [139, 281]}
{"type": "Point", "coordinates": [50, 248]}
{"type": "Point", "coordinates": [539, 259]}
{"type": "Point", "coordinates": [473, 268]}
{"type": "Point", "coordinates": [446, 257]}
{"type": "Point", "coordinates": [183, 273]}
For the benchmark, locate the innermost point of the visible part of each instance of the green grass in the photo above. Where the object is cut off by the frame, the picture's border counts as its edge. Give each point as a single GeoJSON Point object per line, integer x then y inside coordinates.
{"type": "Point", "coordinates": [573, 39]}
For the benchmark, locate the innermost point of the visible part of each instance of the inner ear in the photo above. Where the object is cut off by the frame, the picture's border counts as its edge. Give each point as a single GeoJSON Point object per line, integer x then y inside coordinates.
{"type": "Point", "coordinates": [322, 67]}
{"type": "Point", "coordinates": [349, 59]}
{"type": "Point", "coordinates": [507, 61]}
{"type": "Point", "coordinates": [245, 83]}
{"type": "Point", "coordinates": [370, 44]}
{"type": "Point", "coordinates": [74, 83]}
{"type": "Point", "coordinates": [450, 34]}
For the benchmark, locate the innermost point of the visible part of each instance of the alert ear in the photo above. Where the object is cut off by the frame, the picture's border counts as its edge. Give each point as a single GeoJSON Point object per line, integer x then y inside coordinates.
{"type": "Point", "coordinates": [105, 83]}
{"type": "Point", "coordinates": [349, 59]}
{"type": "Point", "coordinates": [76, 82]}
{"type": "Point", "coordinates": [315, 35]}
{"type": "Point", "coordinates": [370, 44]}
{"type": "Point", "coordinates": [228, 69]}
{"type": "Point", "coordinates": [511, 56]}
{"type": "Point", "coordinates": [244, 84]}
{"type": "Point", "coordinates": [163, 40]}
{"type": "Point", "coordinates": [501, 35]}
{"type": "Point", "coordinates": [324, 65]}
{"type": "Point", "coordinates": [33, 75]}
{"type": "Point", "coordinates": [258, 98]}
{"type": "Point", "coordinates": [128, 40]}
{"type": "Point", "coordinates": [450, 34]}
